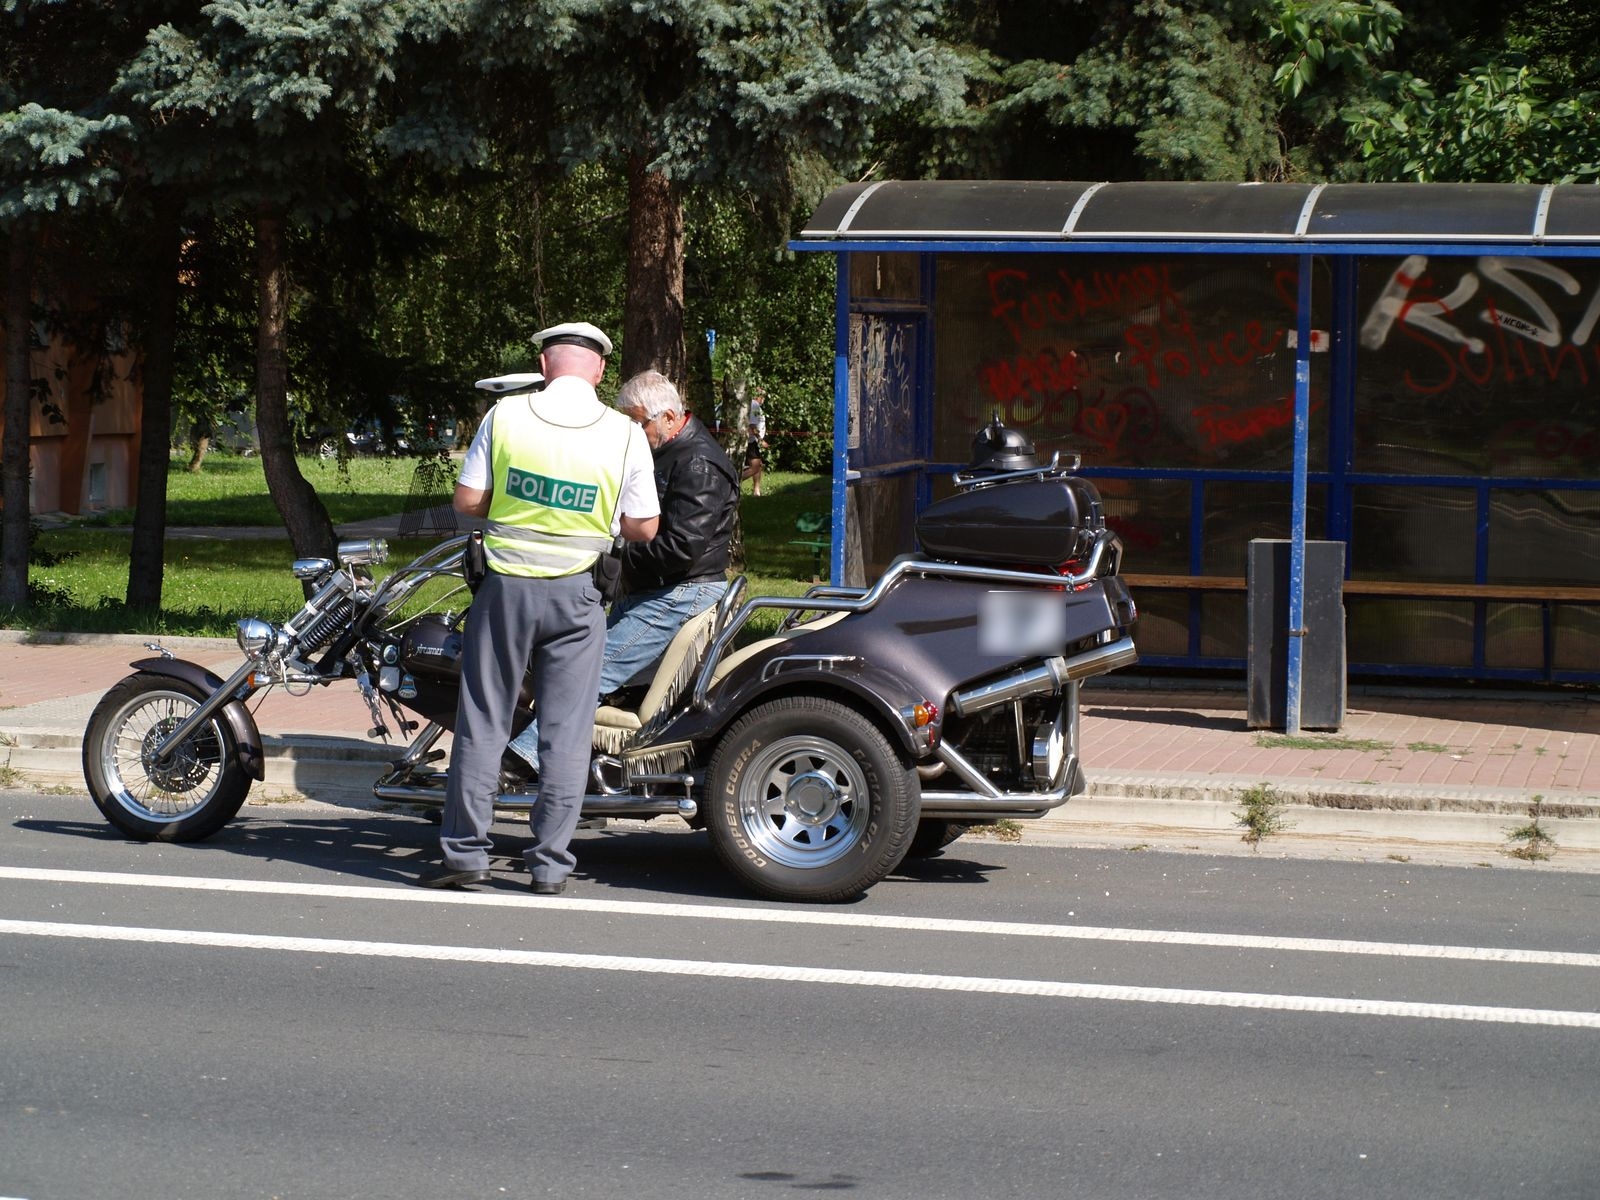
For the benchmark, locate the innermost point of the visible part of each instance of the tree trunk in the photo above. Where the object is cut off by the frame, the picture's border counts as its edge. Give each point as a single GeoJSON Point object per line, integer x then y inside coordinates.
{"type": "Point", "coordinates": [304, 516]}
{"type": "Point", "coordinates": [147, 555]}
{"type": "Point", "coordinates": [652, 319]}
{"type": "Point", "coordinates": [19, 411]}
{"type": "Point", "coordinates": [202, 446]}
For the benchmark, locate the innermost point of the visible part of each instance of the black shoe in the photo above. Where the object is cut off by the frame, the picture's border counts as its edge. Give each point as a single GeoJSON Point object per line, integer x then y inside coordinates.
{"type": "Point", "coordinates": [451, 877]}
{"type": "Point", "coordinates": [516, 773]}
{"type": "Point", "coordinates": [547, 887]}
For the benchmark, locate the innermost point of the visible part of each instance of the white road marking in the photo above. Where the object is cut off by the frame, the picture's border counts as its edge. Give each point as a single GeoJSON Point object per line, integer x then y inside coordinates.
{"type": "Point", "coordinates": [728, 912]}
{"type": "Point", "coordinates": [823, 975]}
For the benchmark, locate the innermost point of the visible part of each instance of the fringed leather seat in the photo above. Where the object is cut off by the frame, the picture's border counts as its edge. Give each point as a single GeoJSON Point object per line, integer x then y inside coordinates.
{"type": "Point", "coordinates": [627, 735]}
{"type": "Point", "coordinates": [616, 729]}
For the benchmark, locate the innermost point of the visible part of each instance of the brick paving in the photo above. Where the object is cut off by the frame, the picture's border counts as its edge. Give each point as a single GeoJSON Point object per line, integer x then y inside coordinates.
{"type": "Point", "coordinates": [1513, 742]}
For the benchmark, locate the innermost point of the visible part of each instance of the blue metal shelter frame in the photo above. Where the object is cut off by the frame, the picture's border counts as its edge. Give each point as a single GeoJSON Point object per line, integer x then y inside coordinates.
{"type": "Point", "coordinates": [1339, 223]}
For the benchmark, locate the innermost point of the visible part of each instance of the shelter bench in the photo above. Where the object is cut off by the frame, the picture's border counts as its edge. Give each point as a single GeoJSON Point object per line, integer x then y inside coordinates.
{"type": "Point", "coordinates": [1544, 595]}
{"type": "Point", "coordinates": [1506, 593]}
{"type": "Point", "coordinates": [819, 528]}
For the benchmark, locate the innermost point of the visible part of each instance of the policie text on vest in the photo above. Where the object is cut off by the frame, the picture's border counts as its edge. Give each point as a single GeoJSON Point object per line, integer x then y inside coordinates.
{"type": "Point", "coordinates": [551, 493]}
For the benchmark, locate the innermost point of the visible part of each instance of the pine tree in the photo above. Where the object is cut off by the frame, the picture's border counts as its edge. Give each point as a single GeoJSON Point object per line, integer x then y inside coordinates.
{"type": "Point", "coordinates": [761, 96]}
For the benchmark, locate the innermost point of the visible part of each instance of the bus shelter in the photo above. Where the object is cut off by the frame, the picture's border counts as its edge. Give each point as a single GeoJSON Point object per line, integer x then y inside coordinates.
{"type": "Point", "coordinates": [1410, 370]}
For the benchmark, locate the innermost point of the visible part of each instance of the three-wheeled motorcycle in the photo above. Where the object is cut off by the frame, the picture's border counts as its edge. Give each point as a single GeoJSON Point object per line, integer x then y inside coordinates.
{"type": "Point", "coordinates": [817, 740]}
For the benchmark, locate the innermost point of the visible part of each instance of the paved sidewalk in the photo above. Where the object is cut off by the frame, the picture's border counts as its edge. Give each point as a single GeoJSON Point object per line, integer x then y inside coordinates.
{"type": "Point", "coordinates": [1420, 774]}
{"type": "Point", "coordinates": [1409, 774]}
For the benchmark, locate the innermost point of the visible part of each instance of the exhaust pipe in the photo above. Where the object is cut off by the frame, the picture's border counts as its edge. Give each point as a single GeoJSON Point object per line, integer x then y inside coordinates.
{"type": "Point", "coordinates": [1049, 676]}
{"type": "Point", "coordinates": [624, 805]}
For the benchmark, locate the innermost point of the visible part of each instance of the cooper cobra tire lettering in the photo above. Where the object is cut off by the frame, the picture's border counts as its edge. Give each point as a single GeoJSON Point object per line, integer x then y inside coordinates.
{"type": "Point", "coordinates": [813, 801]}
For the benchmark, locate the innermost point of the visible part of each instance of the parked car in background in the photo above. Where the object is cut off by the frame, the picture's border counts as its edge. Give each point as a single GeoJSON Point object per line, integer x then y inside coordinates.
{"type": "Point", "coordinates": [430, 435]}
{"type": "Point", "coordinates": [370, 437]}
{"type": "Point", "coordinates": [321, 441]}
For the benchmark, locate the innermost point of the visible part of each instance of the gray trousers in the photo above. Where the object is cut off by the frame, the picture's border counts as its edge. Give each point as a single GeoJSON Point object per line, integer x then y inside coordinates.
{"type": "Point", "coordinates": [560, 625]}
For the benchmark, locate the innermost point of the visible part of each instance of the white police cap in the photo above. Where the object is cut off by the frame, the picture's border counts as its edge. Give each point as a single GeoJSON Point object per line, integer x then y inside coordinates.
{"type": "Point", "coordinates": [574, 333]}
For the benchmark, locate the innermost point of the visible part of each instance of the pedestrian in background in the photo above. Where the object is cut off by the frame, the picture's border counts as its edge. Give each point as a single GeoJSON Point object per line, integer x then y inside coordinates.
{"type": "Point", "coordinates": [754, 447]}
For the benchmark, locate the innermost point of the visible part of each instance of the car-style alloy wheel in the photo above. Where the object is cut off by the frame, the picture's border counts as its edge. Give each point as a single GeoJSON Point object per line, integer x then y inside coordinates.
{"type": "Point", "coordinates": [809, 801]}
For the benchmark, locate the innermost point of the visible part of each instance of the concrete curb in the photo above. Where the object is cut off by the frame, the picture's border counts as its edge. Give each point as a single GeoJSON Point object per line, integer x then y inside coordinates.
{"type": "Point", "coordinates": [41, 743]}
{"type": "Point", "coordinates": [340, 771]}
{"type": "Point", "coordinates": [173, 642]}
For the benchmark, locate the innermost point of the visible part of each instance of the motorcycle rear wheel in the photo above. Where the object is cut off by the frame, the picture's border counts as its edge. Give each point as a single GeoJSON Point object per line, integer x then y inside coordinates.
{"type": "Point", "coordinates": [809, 801]}
{"type": "Point", "coordinates": [197, 791]}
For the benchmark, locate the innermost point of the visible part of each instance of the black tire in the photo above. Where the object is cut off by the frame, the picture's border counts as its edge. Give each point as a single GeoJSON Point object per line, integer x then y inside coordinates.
{"type": "Point", "coordinates": [933, 835]}
{"type": "Point", "coordinates": [187, 799]}
{"type": "Point", "coordinates": [807, 800]}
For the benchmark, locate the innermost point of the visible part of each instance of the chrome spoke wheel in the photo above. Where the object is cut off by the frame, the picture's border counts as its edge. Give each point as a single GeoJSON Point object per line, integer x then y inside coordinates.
{"type": "Point", "coordinates": [188, 794]}
{"type": "Point", "coordinates": [159, 789]}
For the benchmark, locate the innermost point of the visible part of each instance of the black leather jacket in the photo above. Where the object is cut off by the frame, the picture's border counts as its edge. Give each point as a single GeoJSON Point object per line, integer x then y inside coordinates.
{"type": "Point", "coordinates": [699, 491]}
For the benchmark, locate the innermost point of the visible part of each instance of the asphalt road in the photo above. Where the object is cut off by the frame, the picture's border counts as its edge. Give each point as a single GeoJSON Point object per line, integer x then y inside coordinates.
{"type": "Point", "coordinates": [276, 1013]}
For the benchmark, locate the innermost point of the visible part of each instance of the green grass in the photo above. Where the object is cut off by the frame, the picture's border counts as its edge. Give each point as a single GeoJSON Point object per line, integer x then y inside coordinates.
{"type": "Point", "coordinates": [232, 491]}
{"type": "Point", "coordinates": [209, 583]}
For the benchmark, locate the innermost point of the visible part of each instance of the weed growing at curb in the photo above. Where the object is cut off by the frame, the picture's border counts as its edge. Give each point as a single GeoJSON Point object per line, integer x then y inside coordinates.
{"type": "Point", "coordinates": [1536, 844]}
{"type": "Point", "coordinates": [1427, 747]}
{"type": "Point", "coordinates": [10, 777]}
{"type": "Point", "coordinates": [1283, 741]}
{"type": "Point", "coordinates": [1262, 816]}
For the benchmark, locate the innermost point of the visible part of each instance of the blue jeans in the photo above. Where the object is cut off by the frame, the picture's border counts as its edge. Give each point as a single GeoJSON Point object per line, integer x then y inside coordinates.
{"type": "Point", "coordinates": [637, 632]}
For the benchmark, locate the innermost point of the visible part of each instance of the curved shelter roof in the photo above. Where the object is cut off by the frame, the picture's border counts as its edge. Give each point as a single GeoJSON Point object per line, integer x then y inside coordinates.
{"type": "Point", "coordinates": [1324, 218]}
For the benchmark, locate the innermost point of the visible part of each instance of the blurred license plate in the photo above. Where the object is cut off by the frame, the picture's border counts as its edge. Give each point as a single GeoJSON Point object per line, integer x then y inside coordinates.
{"type": "Point", "coordinates": [1013, 623]}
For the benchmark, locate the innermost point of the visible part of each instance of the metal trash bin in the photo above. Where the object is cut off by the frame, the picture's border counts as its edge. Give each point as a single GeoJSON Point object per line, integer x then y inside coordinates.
{"type": "Point", "coordinates": [1322, 657]}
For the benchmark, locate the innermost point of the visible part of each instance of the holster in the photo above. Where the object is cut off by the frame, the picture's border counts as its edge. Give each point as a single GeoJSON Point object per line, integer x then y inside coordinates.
{"type": "Point", "coordinates": [607, 574]}
{"type": "Point", "coordinates": [474, 561]}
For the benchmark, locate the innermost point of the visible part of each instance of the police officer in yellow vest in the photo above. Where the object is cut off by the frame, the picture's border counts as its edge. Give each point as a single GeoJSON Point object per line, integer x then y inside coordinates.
{"type": "Point", "coordinates": [558, 474]}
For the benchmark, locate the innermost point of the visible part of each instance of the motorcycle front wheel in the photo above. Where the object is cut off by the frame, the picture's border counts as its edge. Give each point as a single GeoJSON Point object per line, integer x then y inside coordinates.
{"type": "Point", "coordinates": [809, 801]}
{"type": "Point", "coordinates": [188, 796]}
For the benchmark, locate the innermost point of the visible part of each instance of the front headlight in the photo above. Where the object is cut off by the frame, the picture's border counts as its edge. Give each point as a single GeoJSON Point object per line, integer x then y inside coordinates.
{"type": "Point", "coordinates": [257, 637]}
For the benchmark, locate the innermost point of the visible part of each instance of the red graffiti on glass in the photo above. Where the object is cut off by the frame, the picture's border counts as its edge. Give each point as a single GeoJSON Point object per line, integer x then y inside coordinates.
{"type": "Point", "coordinates": [1171, 352]}
{"type": "Point", "coordinates": [1552, 440]}
{"type": "Point", "coordinates": [1131, 417]}
{"type": "Point", "coordinates": [1135, 535]}
{"type": "Point", "coordinates": [1033, 380]}
{"type": "Point", "coordinates": [1025, 306]}
{"type": "Point", "coordinates": [1224, 425]}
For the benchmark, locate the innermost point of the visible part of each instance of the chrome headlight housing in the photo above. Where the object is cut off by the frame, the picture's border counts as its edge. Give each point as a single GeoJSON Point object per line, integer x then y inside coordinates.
{"type": "Point", "coordinates": [258, 638]}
